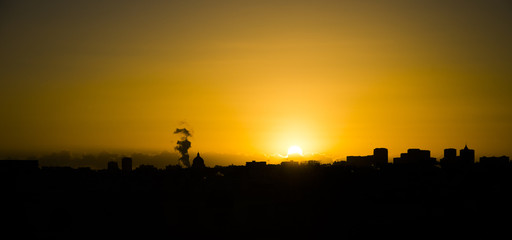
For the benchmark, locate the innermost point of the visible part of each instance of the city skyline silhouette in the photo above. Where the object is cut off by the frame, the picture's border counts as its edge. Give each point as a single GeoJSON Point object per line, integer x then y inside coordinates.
{"type": "Point", "coordinates": [361, 197]}
{"type": "Point", "coordinates": [165, 158]}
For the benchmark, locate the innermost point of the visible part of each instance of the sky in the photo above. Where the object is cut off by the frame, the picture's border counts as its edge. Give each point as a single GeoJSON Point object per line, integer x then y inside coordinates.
{"type": "Point", "coordinates": [253, 78]}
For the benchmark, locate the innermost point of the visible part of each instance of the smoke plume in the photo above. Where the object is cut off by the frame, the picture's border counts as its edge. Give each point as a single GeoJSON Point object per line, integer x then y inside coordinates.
{"type": "Point", "coordinates": [183, 145]}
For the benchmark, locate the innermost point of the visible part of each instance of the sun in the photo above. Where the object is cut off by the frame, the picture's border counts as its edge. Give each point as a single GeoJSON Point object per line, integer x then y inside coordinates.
{"type": "Point", "coordinates": [294, 150]}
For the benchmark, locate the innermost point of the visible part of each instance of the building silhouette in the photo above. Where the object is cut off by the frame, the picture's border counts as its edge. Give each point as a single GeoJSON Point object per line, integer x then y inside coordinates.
{"type": "Point", "coordinates": [290, 163]}
{"type": "Point", "coordinates": [311, 163]}
{"type": "Point", "coordinates": [112, 166]}
{"type": "Point", "coordinates": [450, 158]}
{"type": "Point", "coordinates": [415, 156]}
{"type": "Point", "coordinates": [380, 156]}
{"type": "Point", "coordinates": [18, 166]}
{"type": "Point", "coordinates": [494, 161]}
{"type": "Point", "coordinates": [450, 153]}
{"type": "Point", "coordinates": [145, 169]}
{"type": "Point", "coordinates": [198, 162]}
{"type": "Point", "coordinates": [360, 161]}
{"type": "Point", "coordinates": [254, 164]}
{"type": "Point", "coordinates": [467, 156]}
{"type": "Point", "coordinates": [126, 165]}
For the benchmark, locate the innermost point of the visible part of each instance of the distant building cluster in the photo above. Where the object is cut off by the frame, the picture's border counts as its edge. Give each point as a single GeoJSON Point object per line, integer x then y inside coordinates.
{"type": "Point", "coordinates": [415, 156]}
{"type": "Point", "coordinates": [127, 163]}
{"type": "Point", "coordinates": [18, 166]}
{"type": "Point", "coordinates": [419, 157]}
{"type": "Point", "coordinates": [255, 164]}
{"type": "Point", "coordinates": [466, 157]}
{"type": "Point", "coordinates": [379, 158]}
{"type": "Point", "coordinates": [494, 161]}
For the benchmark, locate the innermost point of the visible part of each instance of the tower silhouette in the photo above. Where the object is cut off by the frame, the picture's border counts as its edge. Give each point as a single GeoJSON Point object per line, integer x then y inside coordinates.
{"type": "Point", "coordinates": [467, 156]}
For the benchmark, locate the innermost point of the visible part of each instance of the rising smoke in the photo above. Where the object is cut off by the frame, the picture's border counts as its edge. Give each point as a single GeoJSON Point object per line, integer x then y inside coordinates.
{"type": "Point", "coordinates": [183, 145]}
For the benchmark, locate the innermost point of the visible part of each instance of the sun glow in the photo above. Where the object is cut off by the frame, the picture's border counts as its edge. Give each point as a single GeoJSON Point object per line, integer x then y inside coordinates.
{"type": "Point", "coordinates": [294, 150]}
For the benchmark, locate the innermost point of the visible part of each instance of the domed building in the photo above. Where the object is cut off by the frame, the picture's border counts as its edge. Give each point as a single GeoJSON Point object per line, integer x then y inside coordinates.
{"type": "Point", "coordinates": [198, 162]}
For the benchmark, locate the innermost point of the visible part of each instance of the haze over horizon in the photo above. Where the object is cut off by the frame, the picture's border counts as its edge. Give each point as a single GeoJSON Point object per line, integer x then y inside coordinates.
{"type": "Point", "coordinates": [253, 78]}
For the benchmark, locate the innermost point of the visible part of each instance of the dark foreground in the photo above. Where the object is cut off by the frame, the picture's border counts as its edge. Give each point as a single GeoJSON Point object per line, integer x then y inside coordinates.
{"type": "Point", "coordinates": [268, 202]}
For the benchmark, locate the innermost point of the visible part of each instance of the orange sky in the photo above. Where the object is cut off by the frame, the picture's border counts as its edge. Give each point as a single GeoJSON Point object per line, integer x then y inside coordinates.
{"type": "Point", "coordinates": [336, 78]}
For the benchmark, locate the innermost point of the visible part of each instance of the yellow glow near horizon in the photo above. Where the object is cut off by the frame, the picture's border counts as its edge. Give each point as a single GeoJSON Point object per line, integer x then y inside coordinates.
{"type": "Point", "coordinates": [294, 150]}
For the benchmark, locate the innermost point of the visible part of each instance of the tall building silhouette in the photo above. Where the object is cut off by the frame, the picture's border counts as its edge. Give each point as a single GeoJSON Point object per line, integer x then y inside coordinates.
{"type": "Point", "coordinates": [380, 156]}
{"type": "Point", "coordinates": [450, 158]}
{"type": "Point", "coordinates": [126, 165]}
{"type": "Point", "coordinates": [467, 156]}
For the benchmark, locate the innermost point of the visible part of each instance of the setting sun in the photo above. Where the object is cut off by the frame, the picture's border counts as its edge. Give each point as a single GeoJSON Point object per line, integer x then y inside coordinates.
{"type": "Point", "coordinates": [294, 150]}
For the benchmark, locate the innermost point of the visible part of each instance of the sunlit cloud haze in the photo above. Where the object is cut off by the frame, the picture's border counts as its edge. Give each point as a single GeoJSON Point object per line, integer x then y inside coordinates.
{"type": "Point", "coordinates": [252, 78]}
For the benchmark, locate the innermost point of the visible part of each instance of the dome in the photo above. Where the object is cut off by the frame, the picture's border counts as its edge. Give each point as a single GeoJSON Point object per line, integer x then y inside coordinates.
{"type": "Point", "coordinates": [198, 162]}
